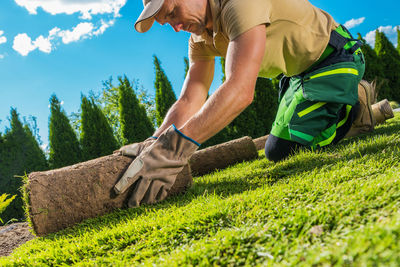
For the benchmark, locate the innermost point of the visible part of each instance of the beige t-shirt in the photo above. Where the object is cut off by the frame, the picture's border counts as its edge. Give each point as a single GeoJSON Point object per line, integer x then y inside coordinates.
{"type": "Point", "coordinates": [297, 32]}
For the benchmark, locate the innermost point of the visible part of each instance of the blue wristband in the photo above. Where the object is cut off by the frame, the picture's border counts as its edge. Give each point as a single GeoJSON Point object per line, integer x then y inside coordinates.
{"type": "Point", "coordinates": [184, 136]}
{"type": "Point", "coordinates": [154, 137]}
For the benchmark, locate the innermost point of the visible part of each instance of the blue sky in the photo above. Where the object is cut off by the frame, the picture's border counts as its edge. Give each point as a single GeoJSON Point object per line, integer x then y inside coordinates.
{"type": "Point", "coordinates": [69, 47]}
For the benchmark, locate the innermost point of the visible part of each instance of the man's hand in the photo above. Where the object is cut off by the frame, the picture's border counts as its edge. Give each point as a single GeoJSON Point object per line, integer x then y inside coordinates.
{"type": "Point", "coordinates": [134, 150]}
{"type": "Point", "coordinates": [156, 168]}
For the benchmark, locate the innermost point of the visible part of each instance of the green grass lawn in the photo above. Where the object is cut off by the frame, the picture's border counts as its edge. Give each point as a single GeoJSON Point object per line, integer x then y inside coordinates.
{"type": "Point", "coordinates": [339, 207]}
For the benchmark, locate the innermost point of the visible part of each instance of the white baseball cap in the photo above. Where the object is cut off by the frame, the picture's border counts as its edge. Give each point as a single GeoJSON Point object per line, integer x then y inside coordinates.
{"type": "Point", "coordinates": [146, 19]}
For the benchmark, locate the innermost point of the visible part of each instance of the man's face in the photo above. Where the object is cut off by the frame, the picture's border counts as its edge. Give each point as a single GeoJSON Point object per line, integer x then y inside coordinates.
{"type": "Point", "coordinates": [184, 15]}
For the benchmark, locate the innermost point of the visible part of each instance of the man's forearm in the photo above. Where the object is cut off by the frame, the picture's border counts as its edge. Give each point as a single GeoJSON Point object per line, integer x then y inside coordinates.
{"type": "Point", "coordinates": [219, 110]}
{"type": "Point", "coordinates": [179, 113]}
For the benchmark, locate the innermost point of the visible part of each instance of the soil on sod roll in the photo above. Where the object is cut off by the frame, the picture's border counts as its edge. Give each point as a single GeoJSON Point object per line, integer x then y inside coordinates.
{"type": "Point", "coordinates": [63, 197]}
{"type": "Point", "coordinates": [223, 155]}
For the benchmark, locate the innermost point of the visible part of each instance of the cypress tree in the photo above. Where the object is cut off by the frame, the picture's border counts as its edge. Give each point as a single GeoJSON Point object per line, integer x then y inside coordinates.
{"type": "Point", "coordinates": [165, 96]}
{"type": "Point", "coordinates": [222, 61]}
{"type": "Point", "coordinates": [2, 149]}
{"type": "Point", "coordinates": [135, 125]}
{"type": "Point", "coordinates": [97, 137]}
{"type": "Point", "coordinates": [3, 163]}
{"type": "Point", "coordinates": [265, 105]}
{"type": "Point", "coordinates": [373, 68]}
{"type": "Point", "coordinates": [256, 120]}
{"type": "Point", "coordinates": [38, 160]}
{"type": "Point", "coordinates": [244, 124]}
{"type": "Point", "coordinates": [20, 153]}
{"type": "Point", "coordinates": [186, 62]}
{"type": "Point", "coordinates": [148, 102]}
{"type": "Point", "coordinates": [389, 59]}
{"type": "Point", "coordinates": [109, 103]}
{"type": "Point", "coordinates": [398, 39]}
{"type": "Point", "coordinates": [221, 137]}
{"type": "Point", "coordinates": [64, 144]}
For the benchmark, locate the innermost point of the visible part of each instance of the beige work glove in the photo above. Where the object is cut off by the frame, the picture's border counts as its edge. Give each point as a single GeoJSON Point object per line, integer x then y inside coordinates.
{"type": "Point", "coordinates": [134, 150]}
{"type": "Point", "coordinates": [157, 167]}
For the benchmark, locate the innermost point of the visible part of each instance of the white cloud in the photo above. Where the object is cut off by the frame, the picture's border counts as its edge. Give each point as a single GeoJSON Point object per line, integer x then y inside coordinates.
{"type": "Point", "coordinates": [103, 27]}
{"type": "Point", "coordinates": [3, 39]}
{"type": "Point", "coordinates": [1, 56]}
{"type": "Point", "coordinates": [43, 44]}
{"type": "Point", "coordinates": [86, 8]}
{"type": "Point", "coordinates": [53, 32]}
{"type": "Point", "coordinates": [82, 31]}
{"type": "Point", "coordinates": [370, 38]}
{"type": "Point", "coordinates": [354, 23]}
{"type": "Point", "coordinates": [109, 9]}
{"type": "Point", "coordinates": [23, 44]}
{"type": "Point", "coordinates": [389, 31]}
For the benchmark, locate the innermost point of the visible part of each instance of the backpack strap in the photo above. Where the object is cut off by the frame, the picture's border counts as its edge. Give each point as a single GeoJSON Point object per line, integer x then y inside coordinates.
{"type": "Point", "coordinates": [341, 38]}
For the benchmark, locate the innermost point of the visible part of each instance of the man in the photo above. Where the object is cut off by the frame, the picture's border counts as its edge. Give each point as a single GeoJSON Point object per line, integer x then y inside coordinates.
{"type": "Point", "coordinates": [321, 63]}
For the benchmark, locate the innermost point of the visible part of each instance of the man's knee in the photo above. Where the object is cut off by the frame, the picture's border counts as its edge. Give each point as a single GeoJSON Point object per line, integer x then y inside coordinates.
{"type": "Point", "coordinates": [277, 149]}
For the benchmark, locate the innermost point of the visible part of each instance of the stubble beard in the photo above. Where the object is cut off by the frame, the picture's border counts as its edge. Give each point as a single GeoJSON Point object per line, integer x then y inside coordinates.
{"type": "Point", "coordinates": [198, 29]}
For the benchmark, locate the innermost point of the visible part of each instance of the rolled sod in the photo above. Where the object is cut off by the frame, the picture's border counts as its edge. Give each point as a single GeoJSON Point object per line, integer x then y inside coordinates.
{"type": "Point", "coordinates": [223, 155]}
{"type": "Point", "coordinates": [63, 197]}
{"type": "Point", "coordinates": [260, 142]}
